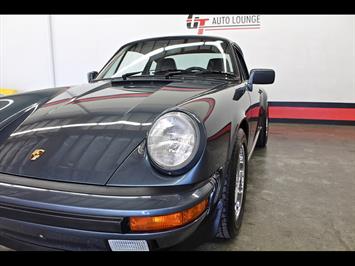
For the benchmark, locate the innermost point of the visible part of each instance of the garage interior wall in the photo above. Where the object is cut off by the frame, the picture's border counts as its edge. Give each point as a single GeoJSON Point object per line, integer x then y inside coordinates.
{"type": "Point", "coordinates": [313, 56]}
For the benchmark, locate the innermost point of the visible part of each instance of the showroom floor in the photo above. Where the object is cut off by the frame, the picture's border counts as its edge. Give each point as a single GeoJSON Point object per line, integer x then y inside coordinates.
{"type": "Point", "coordinates": [300, 192]}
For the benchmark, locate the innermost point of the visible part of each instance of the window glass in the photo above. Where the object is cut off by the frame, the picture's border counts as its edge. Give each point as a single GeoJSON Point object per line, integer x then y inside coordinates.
{"type": "Point", "coordinates": [131, 62]}
{"type": "Point", "coordinates": [156, 56]}
{"type": "Point", "coordinates": [242, 64]}
{"type": "Point", "coordinates": [185, 61]}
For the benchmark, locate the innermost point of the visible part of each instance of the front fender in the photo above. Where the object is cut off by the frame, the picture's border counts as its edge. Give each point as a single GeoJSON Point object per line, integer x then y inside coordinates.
{"type": "Point", "coordinates": [221, 116]}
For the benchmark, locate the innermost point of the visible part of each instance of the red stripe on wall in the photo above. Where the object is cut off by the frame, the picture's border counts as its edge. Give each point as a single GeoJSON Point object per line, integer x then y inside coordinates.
{"type": "Point", "coordinates": [246, 28]}
{"type": "Point", "coordinates": [317, 113]}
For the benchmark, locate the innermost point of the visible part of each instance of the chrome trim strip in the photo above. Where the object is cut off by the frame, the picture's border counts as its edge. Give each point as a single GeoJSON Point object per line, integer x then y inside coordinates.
{"type": "Point", "coordinates": [95, 189]}
{"type": "Point", "coordinates": [72, 193]}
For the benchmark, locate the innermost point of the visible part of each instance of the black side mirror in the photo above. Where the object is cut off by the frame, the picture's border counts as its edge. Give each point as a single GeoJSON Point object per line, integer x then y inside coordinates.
{"type": "Point", "coordinates": [92, 75]}
{"type": "Point", "coordinates": [261, 76]}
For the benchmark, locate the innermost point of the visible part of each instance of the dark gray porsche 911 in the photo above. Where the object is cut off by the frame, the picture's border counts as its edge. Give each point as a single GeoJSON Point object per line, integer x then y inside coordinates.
{"type": "Point", "coordinates": [151, 154]}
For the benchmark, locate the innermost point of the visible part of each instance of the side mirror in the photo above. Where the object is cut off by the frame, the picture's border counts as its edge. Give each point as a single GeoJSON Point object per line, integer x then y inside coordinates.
{"type": "Point", "coordinates": [92, 75]}
{"type": "Point", "coordinates": [261, 76]}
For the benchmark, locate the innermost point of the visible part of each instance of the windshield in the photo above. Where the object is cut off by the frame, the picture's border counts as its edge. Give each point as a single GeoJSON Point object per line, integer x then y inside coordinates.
{"type": "Point", "coordinates": [162, 56]}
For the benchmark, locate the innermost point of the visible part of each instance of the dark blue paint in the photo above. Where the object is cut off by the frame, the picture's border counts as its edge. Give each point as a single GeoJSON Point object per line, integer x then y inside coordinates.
{"type": "Point", "coordinates": [91, 134]}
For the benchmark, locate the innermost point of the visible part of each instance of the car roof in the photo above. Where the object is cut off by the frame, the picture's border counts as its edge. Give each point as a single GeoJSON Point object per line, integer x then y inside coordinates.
{"type": "Point", "coordinates": [176, 37]}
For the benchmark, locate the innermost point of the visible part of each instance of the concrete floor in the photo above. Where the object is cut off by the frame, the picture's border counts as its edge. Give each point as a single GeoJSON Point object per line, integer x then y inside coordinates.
{"type": "Point", "coordinates": [301, 192]}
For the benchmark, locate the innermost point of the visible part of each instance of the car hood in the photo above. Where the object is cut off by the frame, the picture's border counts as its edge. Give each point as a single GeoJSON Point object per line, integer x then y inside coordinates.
{"type": "Point", "coordinates": [85, 132]}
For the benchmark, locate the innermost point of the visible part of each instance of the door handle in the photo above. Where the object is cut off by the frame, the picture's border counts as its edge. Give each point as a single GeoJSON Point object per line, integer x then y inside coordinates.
{"type": "Point", "coordinates": [260, 91]}
{"type": "Point", "coordinates": [239, 93]}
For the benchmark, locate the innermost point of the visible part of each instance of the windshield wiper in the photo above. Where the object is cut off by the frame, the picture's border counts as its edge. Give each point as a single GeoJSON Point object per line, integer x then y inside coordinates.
{"type": "Point", "coordinates": [229, 74]}
{"type": "Point", "coordinates": [182, 72]}
{"type": "Point", "coordinates": [124, 76]}
{"type": "Point", "coordinates": [173, 72]}
{"type": "Point", "coordinates": [177, 72]}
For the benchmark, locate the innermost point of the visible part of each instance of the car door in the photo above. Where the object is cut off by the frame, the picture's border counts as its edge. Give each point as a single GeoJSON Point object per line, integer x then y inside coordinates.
{"type": "Point", "coordinates": [253, 112]}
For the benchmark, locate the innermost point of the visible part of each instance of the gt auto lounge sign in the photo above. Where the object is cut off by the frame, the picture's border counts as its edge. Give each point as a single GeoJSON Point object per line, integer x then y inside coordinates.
{"type": "Point", "coordinates": [221, 23]}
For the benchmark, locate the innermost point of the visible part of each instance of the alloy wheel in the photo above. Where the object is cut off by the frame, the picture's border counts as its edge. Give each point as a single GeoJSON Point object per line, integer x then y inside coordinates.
{"type": "Point", "coordinates": [239, 184]}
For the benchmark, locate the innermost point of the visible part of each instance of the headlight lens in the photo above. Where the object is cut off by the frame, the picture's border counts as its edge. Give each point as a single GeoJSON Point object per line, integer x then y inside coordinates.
{"type": "Point", "coordinates": [173, 140]}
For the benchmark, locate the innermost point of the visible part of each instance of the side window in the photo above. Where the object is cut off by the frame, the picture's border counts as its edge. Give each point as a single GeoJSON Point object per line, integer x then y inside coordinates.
{"type": "Point", "coordinates": [152, 66]}
{"type": "Point", "coordinates": [238, 73]}
{"type": "Point", "coordinates": [242, 65]}
{"type": "Point", "coordinates": [242, 72]}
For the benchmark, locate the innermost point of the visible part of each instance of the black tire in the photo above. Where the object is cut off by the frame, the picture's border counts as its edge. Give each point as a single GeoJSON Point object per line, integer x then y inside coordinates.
{"type": "Point", "coordinates": [264, 133]}
{"type": "Point", "coordinates": [230, 223]}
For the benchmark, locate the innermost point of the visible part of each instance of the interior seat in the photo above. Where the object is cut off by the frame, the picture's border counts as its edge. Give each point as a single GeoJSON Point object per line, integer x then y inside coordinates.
{"type": "Point", "coordinates": [216, 64]}
{"type": "Point", "coordinates": [165, 64]}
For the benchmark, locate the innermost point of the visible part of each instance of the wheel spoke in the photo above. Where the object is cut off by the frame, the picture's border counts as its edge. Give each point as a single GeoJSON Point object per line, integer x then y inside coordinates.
{"type": "Point", "coordinates": [239, 184]}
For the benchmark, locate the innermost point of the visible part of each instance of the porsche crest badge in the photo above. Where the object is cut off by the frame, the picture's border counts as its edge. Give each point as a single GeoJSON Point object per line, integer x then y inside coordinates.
{"type": "Point", "coordinates": [36, 154]}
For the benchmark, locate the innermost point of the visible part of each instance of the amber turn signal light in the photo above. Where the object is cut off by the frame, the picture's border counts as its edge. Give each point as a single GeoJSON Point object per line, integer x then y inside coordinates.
{"type": "Point", "coordinates": [165, 222]}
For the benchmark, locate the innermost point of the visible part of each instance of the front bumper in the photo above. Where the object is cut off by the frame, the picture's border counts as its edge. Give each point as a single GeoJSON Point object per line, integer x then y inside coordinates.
{"type": "Point", "coordinates": [38, 217]}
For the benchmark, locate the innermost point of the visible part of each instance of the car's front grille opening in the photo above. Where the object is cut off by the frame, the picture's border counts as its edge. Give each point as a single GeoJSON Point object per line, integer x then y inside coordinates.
{"type": "Point", "coordinates": [74, 221]}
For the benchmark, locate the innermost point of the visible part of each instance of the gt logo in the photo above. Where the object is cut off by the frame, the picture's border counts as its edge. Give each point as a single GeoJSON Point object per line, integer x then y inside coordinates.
{"type": "Point", "coordinates": [196, 23]}
{"type": "Point", "coordinates": [36, 154]}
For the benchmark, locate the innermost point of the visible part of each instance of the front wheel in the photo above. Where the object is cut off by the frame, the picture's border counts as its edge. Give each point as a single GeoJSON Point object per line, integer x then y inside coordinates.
{"type": "Point", "coordinates": [234, 190]}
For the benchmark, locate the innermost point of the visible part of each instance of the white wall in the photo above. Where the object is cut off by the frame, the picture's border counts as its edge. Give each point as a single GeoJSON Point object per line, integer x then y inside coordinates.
{"type": "Point", "coordinates": [86, 43]}
{"type": "Point", "coordinates": [313, 56]}
{"type": "Point", "coordinates": [25, 59]}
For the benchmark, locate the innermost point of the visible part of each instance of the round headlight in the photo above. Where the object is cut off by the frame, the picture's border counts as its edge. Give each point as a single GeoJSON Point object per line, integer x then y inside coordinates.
{"type": "Point", "coordinates": [173, 140]}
